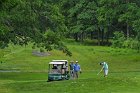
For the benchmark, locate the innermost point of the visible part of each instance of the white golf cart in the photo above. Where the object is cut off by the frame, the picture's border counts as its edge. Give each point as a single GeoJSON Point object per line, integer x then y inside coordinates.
{"type": "Point", "coordinates": [58, 70]}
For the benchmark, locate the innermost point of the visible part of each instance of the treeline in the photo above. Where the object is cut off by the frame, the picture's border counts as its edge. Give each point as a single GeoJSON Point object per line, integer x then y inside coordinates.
{"type": "Point", "coordinates": [46, 22]}
{"type": "Point", "coordinates": [100, 19]}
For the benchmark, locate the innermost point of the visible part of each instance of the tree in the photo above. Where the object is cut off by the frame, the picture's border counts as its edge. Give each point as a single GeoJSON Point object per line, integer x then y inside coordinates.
{"type": "Point", "coordinates": [22, 21]}
{"type": "Point", "coordinates": [127, 16]}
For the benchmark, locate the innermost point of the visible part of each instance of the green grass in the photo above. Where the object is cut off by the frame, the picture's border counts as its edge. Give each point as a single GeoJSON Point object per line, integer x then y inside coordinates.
{"type": "Point", "coordinates": [88, 82]}
{"type": "Point", "coordinates": [124, 71]}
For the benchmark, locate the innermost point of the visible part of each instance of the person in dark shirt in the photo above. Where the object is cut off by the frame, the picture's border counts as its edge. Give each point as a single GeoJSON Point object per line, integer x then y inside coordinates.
{"type": "Point", "coordinates": [72, 69]}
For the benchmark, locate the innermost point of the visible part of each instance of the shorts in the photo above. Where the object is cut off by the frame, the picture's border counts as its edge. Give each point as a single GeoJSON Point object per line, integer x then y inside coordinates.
{"type": "Point", "coordinates": [106, 72]}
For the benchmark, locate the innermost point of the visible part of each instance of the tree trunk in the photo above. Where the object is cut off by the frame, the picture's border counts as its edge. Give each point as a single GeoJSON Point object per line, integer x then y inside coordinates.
{"type": "Point", "coordinates": [98, 36]}
{"type": "Point", "coordinates": [138, 48]}
{"type": "Point", "coordinates": [76, 37]}
{"type": "Point", "coordinates": [102, 42]}
{"type": "Point", "coordinates": [91, 35]}
{"type": "Point", "coordinates": [108, 33]}
{"type": "Point", "coordinates": [82, 37]}
{"type": "Point", "coordinates": [127, 31]}
{"type": "Point", "coordinates": [107, 36]}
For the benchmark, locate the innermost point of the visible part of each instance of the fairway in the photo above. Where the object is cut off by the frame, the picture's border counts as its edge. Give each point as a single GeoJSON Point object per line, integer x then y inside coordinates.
{"type": "Point", "coordinates": [22, 72]}
{"type": "Point", "coordinates": [88, 82]}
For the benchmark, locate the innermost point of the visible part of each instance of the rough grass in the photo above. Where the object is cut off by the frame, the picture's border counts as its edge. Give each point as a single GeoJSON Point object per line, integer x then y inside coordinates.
{"type": "Point", "coordinates": [124, 71]}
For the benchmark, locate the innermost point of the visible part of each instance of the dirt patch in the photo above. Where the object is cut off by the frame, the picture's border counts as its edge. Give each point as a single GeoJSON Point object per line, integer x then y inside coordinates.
{"type": "Point", "coordinates": [38, 53]}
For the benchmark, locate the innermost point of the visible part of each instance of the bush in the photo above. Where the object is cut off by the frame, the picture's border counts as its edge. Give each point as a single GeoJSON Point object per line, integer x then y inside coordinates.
{"type": "Point", "coordinates": [118, 39]}
{"type": "Point", "coordinates": [42, 50]}
{"type": "Point", "coordinates": [33, 47]}
{"type": "Point", "coordinates": [127, 43]}
{"type": "Point", "coordinates": [135, 44]}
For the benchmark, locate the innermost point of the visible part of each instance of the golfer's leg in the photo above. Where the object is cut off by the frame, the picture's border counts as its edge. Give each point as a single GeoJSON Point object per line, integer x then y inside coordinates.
{"type": "Point", "coordinates": [105, 73]}
{"type": "Point", "coordinates": [72, 74]}
{"type": "Point", "coordinates": [76, 74]}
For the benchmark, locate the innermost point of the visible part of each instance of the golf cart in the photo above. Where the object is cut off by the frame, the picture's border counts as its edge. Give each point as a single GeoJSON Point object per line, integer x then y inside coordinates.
{"type": "Point", "coordinates": [58, 70]}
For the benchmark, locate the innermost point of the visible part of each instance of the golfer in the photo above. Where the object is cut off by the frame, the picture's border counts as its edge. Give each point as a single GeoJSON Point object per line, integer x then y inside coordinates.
{"type": "Point", "coordinates": [105, 68]}
{"type": "Point", "coordinates": [77, 69]}
{"type": "Point", "coordinates": [72, 69]}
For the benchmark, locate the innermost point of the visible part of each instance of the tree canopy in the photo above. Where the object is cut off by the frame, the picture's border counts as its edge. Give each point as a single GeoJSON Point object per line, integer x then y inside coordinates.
{"type": "Point", "coordinates": [46, 22]}
{"type": "Point", "coordinates": [37, 21]}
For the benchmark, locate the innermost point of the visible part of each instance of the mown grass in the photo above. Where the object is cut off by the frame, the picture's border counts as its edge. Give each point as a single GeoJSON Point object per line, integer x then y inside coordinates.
{"type": "Point", "coordinates": [88, 82]}
{"type": "Point", "coordinates": [124, 71]}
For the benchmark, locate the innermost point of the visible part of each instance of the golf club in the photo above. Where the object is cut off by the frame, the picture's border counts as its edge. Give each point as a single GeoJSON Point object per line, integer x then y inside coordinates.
{"type": "Point", "coordinates": [98, 73]}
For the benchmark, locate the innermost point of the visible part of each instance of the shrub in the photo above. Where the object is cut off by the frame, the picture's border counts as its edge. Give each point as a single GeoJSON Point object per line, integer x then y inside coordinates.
{"type": "Point", "coordinates": [135, 44]}
{"type": "Point", "coordinates": [42, 50]}
{"type": "Point", "coordinates": [118, 39]}
{"type": "Point", "coordinates": [127, 43]}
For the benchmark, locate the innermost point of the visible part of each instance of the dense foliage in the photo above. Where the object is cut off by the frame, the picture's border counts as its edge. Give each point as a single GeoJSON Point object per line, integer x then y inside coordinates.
{"type": "Point", "coordinates": [45, 22]}
{"type": "Point", "coordinates": [37, 21]}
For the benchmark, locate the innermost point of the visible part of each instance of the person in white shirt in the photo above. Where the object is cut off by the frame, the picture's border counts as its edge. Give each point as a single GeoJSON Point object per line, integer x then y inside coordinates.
{"type": "Point", "coordinates": [104, 68]}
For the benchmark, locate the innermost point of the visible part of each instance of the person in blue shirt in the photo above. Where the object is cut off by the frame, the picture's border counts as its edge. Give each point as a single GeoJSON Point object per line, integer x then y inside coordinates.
{"type": "Point", "coordinates": [105, 68]}
{"type": "Point", "coordinates": [77, 69]}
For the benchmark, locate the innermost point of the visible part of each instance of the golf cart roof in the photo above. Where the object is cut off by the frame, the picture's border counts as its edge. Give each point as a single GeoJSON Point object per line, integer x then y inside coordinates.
{"type": "Point", "coordinates": [60, 60]}
{"type": "Point", "coordinates": [57, 63]}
